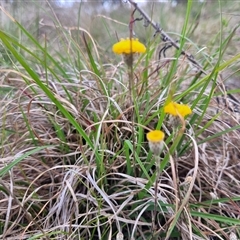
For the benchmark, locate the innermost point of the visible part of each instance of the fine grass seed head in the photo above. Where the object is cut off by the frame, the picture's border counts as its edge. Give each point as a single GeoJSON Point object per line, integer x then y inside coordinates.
{"type": "Point", "coordinates": [187, 181]}
{"type": "Point", "coordinates": [155, 141]}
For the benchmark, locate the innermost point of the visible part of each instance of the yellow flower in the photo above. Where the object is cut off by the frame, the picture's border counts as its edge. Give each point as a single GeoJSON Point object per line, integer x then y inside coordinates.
{"type": "Point", "coordinates": [155, 141]}
{"type": "Point", "coordinates": [127, 46]}
{"type": "Point", "coordinates": [155, 136]}
{"type": "Point", "coordinates": [177, 109]}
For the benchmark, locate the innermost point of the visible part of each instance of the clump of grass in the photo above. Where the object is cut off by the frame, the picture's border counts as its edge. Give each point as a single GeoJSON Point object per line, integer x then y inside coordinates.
{"type": "Point", "coordinates": [75, 160]}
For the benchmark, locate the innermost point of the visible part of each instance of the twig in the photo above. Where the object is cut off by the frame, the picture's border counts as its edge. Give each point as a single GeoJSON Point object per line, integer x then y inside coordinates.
{"type": "Point", "coordinates": [166, 37]}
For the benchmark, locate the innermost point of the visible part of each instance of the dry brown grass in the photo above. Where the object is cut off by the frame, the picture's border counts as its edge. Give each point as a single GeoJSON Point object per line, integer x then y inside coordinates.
{"type": "Point", "coordinates": [60, 192]}
{"type": "Point", "coordinates": [56, 191]}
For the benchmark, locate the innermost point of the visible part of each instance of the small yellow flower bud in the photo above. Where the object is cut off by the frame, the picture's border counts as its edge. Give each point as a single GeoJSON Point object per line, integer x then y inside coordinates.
{"type": "Point", "coordinates": [155, 141]}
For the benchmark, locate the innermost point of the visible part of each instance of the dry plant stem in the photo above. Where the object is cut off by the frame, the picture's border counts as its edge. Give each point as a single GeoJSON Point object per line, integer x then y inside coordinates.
{"type": "Point", "coordinates": [188, 193]}
{"type": "Point", "coordinates": [165, 36]}
{"type": "Point", "coordinates": [131, 95]}
{"type": "Point", "coordinates": [130, 78]}
{"type": "Point", "coordinates": [131, 86]}
{"type": "Point", "coordinates": [180, 133]}
{"type": "Point", "coordinates": [158, 173]}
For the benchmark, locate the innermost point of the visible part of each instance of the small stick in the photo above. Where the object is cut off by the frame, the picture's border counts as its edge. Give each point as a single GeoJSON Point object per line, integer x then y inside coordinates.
{"type": "Point", "coordinates": [166, 37]}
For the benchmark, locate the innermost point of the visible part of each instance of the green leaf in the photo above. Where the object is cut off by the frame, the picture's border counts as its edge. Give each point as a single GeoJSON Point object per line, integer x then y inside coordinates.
{"type": "Point", "coordinates": [19, 159]}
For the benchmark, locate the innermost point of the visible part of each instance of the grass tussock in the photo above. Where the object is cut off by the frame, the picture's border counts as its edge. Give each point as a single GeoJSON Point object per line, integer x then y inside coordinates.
{"type": "Point", "coordinates": [75, 161]}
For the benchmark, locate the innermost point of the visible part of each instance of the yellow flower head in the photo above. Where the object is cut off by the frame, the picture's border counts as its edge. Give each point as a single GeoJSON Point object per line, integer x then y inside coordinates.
{"type": "Point", "coordinates": [127, 46]}
{"type": "Point", "coordinates": [155, 141]}
{"type": "Point", "coordinates": [155, 136]}
{"type": "Point", "coordinates": [177, 109]}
